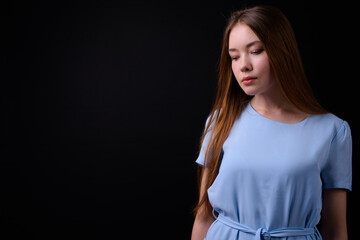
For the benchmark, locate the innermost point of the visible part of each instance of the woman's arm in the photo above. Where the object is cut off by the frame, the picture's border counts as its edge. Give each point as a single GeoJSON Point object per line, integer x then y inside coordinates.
{"type": "Point", "coordinates": [202, 220]}
{"type": "Point", "coordinates": [333, 215]}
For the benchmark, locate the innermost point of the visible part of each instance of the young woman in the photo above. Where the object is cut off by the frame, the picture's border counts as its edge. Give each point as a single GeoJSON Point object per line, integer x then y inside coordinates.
{"type": "Point", "coordinates": [274, 164]}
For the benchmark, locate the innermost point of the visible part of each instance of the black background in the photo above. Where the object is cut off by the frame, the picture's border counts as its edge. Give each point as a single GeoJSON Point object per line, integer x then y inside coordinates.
{"type": "Point", "coordinates": [103, 104]}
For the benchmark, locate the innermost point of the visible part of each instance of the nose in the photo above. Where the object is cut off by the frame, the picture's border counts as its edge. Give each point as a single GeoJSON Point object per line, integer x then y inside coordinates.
{"type": "Point", "coordinates": [245, 64]}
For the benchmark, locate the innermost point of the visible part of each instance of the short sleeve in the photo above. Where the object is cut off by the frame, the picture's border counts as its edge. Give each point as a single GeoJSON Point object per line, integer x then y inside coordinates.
{"type": "Point", "coordinates": [201, 157]}
{"type": "Point", "coordinates": [337, 171]}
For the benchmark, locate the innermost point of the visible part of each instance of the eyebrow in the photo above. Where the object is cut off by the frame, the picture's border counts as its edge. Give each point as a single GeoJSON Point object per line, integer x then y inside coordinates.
{"type": "Point", "coordinates": [247, 45]}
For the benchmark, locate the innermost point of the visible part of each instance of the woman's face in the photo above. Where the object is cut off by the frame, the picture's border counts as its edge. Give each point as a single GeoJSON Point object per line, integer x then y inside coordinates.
{"type": "Point", "coordinates": [250, 63]}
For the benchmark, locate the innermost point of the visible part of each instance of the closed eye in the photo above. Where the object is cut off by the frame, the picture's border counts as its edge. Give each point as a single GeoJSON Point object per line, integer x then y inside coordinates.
{"type": "Point", "coordinates": [258, 51]}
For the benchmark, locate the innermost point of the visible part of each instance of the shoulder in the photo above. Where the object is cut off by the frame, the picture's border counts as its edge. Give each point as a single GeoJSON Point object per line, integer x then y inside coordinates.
{"type": "Point", "coordinates": [211, 118]}
{"type": "Point", "coordinates": [329, 123]}
{"type": "Point", "coordinates": [328, 119]}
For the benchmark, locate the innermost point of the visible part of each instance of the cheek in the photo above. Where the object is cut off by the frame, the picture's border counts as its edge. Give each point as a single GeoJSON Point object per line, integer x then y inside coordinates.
{"type": "Point", "coordinates": [236, 73]}
{"type": "Point", "coordinates": [264, 70]}
{"type": "Point", "coordinates": [263, 65]}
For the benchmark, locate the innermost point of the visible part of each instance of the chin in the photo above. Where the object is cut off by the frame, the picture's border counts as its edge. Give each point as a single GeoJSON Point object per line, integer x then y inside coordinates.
{"type": "Point", "coordinates": [249, 92]}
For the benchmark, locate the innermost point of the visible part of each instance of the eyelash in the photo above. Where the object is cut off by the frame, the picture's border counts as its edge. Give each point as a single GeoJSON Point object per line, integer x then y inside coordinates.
{"type": "Point", "coordinates": [256, 52]}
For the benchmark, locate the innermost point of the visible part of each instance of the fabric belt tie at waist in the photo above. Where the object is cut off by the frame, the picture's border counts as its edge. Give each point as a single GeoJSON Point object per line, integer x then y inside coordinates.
{"type": "Point", "coordinates": [263, 233]}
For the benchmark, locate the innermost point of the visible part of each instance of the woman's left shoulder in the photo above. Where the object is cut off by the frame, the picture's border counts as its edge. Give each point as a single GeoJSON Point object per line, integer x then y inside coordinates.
{"type": "Point", "coordinates": [330, 121]}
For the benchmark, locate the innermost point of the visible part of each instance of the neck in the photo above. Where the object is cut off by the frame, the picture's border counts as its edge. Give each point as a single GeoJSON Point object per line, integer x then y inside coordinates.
{"type": "Point", "coordinates": [271, 102]}
{"type": "Point", "coordinates": [276, 107]}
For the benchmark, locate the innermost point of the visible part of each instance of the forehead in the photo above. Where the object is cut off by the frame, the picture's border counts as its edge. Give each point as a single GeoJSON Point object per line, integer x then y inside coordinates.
{"type": "Point", "coordinates": [240, 35]}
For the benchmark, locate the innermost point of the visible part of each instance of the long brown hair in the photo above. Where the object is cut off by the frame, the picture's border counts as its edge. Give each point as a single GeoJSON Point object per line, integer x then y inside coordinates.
{"type": "Point", "coordinates": [275, 31]}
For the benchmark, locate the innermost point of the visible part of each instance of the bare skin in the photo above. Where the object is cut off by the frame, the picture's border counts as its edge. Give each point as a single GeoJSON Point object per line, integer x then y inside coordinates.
{"type": "Point", "coordinates": [202, 220]}
{"type": "Point", "coordinates": [249, 59]}
{"type": "Point", "coordinates": [333, 225]}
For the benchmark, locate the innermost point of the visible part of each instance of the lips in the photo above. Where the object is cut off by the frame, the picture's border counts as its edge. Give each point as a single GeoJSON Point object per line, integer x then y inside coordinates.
{"type": "Point", "coordinates": [248, 80]}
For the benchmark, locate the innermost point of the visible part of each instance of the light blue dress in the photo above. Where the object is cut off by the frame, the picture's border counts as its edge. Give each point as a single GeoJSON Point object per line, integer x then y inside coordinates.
{"type": "Point", "coordinates": [272, 175]}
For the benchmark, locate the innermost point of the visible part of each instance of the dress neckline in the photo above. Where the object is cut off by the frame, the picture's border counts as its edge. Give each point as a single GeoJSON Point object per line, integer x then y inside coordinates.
{"type": "Point", "coordinates": [252, 110]}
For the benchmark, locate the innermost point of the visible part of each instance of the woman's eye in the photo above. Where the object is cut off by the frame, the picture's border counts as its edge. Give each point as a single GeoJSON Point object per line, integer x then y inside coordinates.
{"type": "Point", "coordinates": [234, 58]}
{"type": "Point", "coordinates": [258, 51]}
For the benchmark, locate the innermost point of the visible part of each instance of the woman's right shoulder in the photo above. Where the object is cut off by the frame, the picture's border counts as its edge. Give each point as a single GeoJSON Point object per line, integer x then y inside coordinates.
{"type": "Point", "coordinates": [211, 117]}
